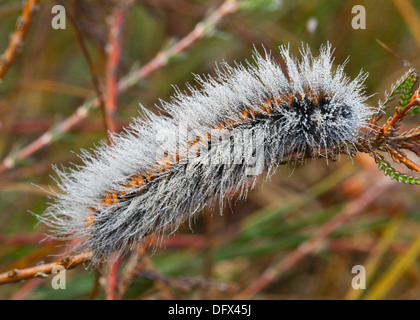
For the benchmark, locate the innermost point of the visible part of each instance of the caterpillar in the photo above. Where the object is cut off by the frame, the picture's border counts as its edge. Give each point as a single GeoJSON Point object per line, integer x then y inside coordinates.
{"type": "Point", "coordinates": [207, 145]}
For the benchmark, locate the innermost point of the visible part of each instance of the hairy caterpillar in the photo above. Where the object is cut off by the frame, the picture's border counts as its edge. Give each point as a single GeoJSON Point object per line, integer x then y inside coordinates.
{"type": "Point", "coordinates": [214, 142]}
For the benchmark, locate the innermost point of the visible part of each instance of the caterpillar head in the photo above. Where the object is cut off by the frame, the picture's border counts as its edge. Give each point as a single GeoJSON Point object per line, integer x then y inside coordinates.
{"type": "Point", "coordinates": [325, 109]}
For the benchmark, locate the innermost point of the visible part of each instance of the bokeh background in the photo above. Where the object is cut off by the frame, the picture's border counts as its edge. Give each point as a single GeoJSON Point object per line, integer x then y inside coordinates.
{"type": "Point", "coordinates": [220, 255]}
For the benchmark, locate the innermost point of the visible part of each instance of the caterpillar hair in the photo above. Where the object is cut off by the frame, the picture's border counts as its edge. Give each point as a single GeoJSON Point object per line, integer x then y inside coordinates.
{"type": "Point", "coordinates": [210, 145]}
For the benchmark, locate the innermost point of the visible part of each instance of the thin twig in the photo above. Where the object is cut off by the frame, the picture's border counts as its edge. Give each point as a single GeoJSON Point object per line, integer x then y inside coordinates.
{"type": "Point", "coordinates": [45, 269]}
{"type": "Point", "coordinates": [400, 157]}
{"type": "Point", "coordinates": [17, 38]}
{"type": "Point", "coordinates": [114, 54]}
{"type": "Point", "coordinates": [399, 115]}
{"type": "Point", "coordinates": [134, 266]}
{"type": "Point", "coordinates": [112, 279]}
{"type": "Point", "coordinates": [95, 287]}
{"type": "Point", "coordinates": [164, 289]}
{"type": "Point", "coordinates": [405, 62]}
{"type": "Point", "coordinates": [73, 261]}
{"type": "Point", "coordinates": [208, 250]}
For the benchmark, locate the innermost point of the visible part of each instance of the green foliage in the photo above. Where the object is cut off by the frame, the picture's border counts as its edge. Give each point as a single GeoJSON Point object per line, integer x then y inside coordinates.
{"type": "Point", "coordinates": [407, 90]}
{"type": "Point", "coordinates": [415, 110]}
{"type": "Point", "coordinates": [403, 86]}
{"type": "Point", "coordinates": [393, 174]}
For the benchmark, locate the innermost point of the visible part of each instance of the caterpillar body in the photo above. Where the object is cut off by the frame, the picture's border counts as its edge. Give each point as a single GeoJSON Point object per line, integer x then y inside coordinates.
{"type": "Point", "coordinates": [244, 121]}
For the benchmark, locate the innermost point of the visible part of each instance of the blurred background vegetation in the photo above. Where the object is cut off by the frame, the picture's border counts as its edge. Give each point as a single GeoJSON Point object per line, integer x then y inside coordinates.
{"type": "Point", "coordinates": [219, 256]}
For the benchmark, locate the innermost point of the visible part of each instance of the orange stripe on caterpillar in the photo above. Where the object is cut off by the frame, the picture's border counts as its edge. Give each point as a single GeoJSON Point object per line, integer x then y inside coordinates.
{"type": "Point", "coordinates": [91, 217]}
{"type": "Point", "coordinates": [166, 164]}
